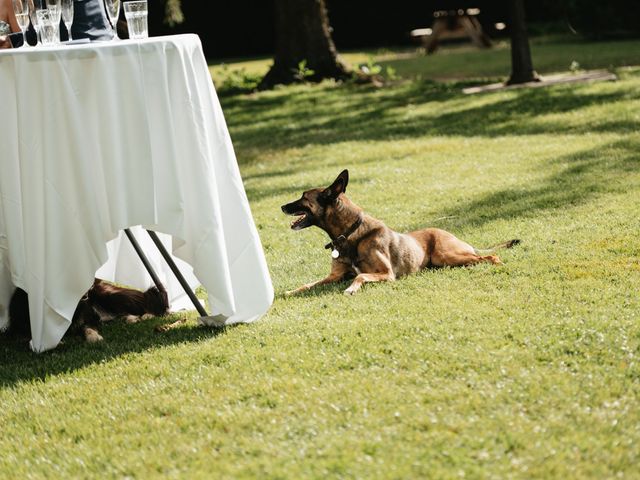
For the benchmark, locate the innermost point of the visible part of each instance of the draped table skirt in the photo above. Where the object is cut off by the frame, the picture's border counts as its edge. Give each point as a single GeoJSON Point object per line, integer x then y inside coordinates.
{"type": "Point", "coordinates": [103, 136]}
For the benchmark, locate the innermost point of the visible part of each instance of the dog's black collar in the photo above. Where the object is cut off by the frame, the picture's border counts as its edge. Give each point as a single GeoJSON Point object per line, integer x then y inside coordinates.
{"type": "Point", "coordinates": [340, 239]}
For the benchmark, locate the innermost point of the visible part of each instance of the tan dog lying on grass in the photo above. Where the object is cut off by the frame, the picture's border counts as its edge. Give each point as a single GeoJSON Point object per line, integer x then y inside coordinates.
{"type": "Point", "coordinates": [365, 248]}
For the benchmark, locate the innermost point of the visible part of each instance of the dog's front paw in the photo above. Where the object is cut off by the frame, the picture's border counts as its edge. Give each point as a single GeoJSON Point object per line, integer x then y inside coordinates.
{"type": "Point", "coordinates": [351, 290]}
{"type": "Point", "coordinates": [92, 336]}
{"type": "Point", "coordinates": [132, 319]}
{"type": "Point", "coordinates": [291, 293]}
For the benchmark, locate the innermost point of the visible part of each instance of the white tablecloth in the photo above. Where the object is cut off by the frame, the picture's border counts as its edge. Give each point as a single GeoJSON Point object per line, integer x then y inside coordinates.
{"type": "Point", "coordinates": [102, 136]}
{"type": "Point", "coordinates": [124, 267]}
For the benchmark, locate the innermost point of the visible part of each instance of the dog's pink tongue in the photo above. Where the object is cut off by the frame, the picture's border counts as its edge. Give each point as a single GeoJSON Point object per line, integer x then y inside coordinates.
{"type": "Point", "coordinates": [297, 221]}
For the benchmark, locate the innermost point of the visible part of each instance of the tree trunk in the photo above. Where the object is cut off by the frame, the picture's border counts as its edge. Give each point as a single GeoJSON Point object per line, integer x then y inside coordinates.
{"type": "Point", "coordinates": [303, 34]}
{"type": "Point", "coordinates": [521, 65]}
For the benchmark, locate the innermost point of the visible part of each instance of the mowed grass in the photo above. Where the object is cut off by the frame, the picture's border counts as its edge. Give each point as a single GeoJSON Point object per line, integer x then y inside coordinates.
{"type": "Point", "coordinates": [527, 370]}
{"type": "Point", "coordinates": [550, 54]}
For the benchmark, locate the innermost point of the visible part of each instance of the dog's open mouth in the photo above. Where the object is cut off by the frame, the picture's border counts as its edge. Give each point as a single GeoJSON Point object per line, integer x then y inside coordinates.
{"type": "Point", "coordinates": [301, 222]}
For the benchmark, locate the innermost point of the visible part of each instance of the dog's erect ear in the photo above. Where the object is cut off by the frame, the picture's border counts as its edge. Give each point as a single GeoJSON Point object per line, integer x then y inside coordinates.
{"type": "Point", "coordinates": [338, 186]}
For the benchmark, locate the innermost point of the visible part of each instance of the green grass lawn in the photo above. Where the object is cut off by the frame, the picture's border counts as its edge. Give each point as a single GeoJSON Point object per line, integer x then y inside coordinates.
{"type": "Point", "coordinates": [463, 62]}
{"type": "Point", "coordinates": [527, 370]}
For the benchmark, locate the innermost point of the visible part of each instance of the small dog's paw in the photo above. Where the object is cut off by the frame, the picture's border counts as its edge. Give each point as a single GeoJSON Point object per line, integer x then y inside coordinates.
{"type": "Point", "coordinates": [92, 336]}
{"type": "Point", "coordinates": [132, 319]}
{"type": "Point", "coordinates": [350, 291]}
{"type": "Point", "coordinates": [146, 316]}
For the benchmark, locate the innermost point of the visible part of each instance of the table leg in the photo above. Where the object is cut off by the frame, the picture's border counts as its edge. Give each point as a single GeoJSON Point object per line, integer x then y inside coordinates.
{"type": "Point", "coordinates": [145, 260]}
{"type": "Point", "coordinates": [177, 273]}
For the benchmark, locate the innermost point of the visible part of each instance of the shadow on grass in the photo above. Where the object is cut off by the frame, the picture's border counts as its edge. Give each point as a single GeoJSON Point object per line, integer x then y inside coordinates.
{"type": "Point", "coordinates": [18, 363]}
{"type": "Point", "coordinates": [294, 192]}
{"type": "Point", "coordinates": [329, 114]}
{"type": "Point", "coordinates": [579, 177]}
{"type": "Point", "coordinates": [336, 288]}
{"type": "Point", "coordinates": [585, 175]}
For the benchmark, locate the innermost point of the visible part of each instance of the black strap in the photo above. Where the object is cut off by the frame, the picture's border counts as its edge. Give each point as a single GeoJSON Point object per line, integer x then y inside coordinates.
{"type": "Point", "coordinates": [339, 241]}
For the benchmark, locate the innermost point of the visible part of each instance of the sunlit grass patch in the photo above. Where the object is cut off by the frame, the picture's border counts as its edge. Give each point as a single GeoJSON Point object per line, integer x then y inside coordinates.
{"type": "Point", "coordinates": [526, 370]}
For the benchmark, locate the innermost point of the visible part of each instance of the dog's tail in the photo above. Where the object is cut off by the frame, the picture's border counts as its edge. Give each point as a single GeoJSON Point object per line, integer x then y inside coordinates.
{"type": "Point", "coordinates": [507, 244]}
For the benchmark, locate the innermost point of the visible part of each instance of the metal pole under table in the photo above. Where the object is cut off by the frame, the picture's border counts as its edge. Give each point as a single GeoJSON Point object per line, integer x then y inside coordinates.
{"type": "Point", "coordinates": [172, 265]}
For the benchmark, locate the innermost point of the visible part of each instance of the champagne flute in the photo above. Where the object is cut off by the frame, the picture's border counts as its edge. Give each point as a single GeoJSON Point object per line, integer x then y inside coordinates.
{"type": "Point", "coordinates": [34, 7]}
{"type": "Point", "coordinates": [21, 11]}
{"type": "Point", "coordinates": [55, 8]}
{"type": "Point", "coordinates": [113, 9]}
{"type": "Point", "coordinates": [67, 15]}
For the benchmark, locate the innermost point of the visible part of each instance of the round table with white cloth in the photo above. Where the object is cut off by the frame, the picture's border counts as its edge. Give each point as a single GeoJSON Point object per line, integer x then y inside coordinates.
{"type": "Point", "coordinates": [103, 136]}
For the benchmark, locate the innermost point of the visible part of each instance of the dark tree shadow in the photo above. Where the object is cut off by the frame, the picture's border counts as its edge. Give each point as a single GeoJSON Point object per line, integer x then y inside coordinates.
{"type": "Point", "coordinates": [332, 289]}
{"type": "Point", "coordinates": [588, 174]}
{"type": "Point", "coordinates": [329, 115]}
{"type": "Point", "coordinates": [293, 192]}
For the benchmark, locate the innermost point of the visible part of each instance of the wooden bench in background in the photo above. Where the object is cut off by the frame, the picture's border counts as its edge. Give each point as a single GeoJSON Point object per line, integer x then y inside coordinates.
{"type": "Point", "coordinates": [452, 25]}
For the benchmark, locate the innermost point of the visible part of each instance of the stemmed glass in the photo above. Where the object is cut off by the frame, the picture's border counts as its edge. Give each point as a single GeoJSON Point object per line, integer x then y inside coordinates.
{"type": "Point", "coordinates": [34, 7]}
{"type": "Point", "coordinates": [21, 10]}
{"type": "Point", "coordinates": [113, 8]}
{"type": "Point", "coordinates": [67, 15]}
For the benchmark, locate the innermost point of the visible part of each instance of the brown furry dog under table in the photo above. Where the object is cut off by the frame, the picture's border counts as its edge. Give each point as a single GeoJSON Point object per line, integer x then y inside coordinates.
{"type": "Point", "coordinates": [365, 249]}
{"type": "Point", "coordinates": [103, 302]}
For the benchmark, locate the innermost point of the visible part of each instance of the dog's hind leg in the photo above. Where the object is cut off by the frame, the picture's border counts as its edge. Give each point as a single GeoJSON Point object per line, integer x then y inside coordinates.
{"type": "Point", "coordinates": [136, 318]}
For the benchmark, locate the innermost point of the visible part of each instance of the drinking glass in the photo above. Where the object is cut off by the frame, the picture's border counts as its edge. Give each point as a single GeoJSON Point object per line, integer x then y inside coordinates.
{"type": "Point", "coordinates": [135, 12]}
{"type": "Point", "coordinates": [67, 15]}
{"type": "Point", "coordinates": [113, 8]}
{"type": "Point", "coordinates": [55, 9]}
{"type": "Point", "coordinates": [21, 11]}
{"type": "Point", "coordinates": [34, 7]}
{"type": "Point", "coordinates": [48, 26]}
{"type": "Point", "coordinates": [54, 6]}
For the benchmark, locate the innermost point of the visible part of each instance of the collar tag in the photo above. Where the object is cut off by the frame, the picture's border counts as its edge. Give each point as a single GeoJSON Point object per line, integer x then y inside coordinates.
{"type": "Point", "coordinates": [335, 253]}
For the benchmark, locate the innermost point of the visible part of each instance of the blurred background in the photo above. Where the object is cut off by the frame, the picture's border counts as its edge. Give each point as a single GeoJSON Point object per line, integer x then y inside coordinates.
{"type": "Point", "coordinates": [246, 27]}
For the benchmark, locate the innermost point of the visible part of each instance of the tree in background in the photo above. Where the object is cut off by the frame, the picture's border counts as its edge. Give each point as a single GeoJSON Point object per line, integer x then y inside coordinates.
{"type": "Point", "coordinates": [304, 46]}
{"type": "Point", "coordinates": [521, 64]}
